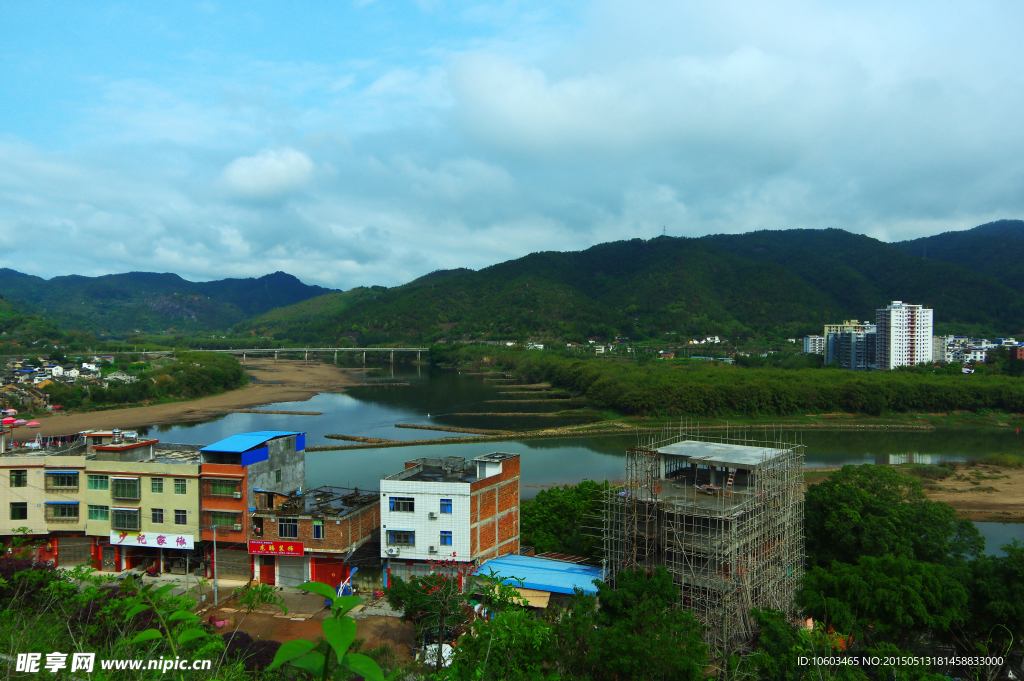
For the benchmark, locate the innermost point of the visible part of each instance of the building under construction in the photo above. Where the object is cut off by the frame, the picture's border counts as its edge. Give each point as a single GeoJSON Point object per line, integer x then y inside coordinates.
{"type": "Point", "coordinates": [723, 515]}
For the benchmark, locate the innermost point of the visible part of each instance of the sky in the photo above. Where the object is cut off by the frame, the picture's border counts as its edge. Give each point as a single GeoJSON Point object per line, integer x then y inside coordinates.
{"type": "Point", "coordinates": [371, 142]}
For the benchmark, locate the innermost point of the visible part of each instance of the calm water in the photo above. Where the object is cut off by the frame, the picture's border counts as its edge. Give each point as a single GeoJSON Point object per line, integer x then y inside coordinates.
{"type": "Point", "coordinates": [433, 395]}
{"type": "Point", "coordinates": [997, 534]}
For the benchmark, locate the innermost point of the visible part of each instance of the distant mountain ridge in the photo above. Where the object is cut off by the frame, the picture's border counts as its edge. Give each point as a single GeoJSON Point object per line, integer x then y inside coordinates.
{"type": "Point", "coordinates": [151, 302]}
{"type": "Point", "coordinates": [766, 283]}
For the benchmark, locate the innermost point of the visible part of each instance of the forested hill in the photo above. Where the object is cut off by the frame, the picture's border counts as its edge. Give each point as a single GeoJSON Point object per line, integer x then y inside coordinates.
{"type": "Point", "coordinates": [119, 304]}
{"type": "Point", "coordinates": [761, 284]}
{"type": "Point", "coordinates": [995, 249]}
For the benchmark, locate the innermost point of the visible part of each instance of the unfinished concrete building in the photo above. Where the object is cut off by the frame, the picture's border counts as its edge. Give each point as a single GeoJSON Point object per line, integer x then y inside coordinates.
{"type": "Point", "coordinates": [723, 515]}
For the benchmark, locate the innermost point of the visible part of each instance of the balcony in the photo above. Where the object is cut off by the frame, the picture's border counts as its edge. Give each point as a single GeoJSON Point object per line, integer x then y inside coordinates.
{"type": "Point", "coordinates": [221, 489]}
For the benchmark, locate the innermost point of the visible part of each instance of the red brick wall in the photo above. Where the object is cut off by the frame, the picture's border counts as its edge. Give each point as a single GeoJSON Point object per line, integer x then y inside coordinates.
{"type": "Point", "coordinates": [337, 536]}
{"type": "Point", "coordinates": [494, 513]}
{"type": "Point", "coordinates": [487, 504]}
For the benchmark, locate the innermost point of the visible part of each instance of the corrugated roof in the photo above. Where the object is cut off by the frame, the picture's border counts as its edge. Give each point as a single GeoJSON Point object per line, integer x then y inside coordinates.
{"type": "Point", "coordinates": [243, 442]}
{"type": "Point", "coordinates": [544, 575]}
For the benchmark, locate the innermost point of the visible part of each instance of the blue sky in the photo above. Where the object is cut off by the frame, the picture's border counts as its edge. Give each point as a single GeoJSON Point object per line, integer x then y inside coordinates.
{"type": "Point", "coordinates": [373, 142]}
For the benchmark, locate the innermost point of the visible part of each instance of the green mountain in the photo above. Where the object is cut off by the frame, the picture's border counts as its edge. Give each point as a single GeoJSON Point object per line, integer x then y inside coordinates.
{"type": "Point", "coordinates": [761, 284]}
{"type": "Point", "coordinates": [995, 249]}
{"type": "Point", "coordinates": [119, 304]}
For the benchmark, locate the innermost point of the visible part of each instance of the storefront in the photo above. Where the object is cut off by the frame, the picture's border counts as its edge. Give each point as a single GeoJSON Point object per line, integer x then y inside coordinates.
{"type": "Point", "coordinates": [146, 551]}
{"type": "Point", "coordinates": [280, 563]}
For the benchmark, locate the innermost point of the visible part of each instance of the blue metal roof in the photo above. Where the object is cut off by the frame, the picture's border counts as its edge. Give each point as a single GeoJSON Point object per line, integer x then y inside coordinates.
{"type": "Point", "coordinates": [61, 503]}
{"type": "Point", "coordinates": [243, 442]}
{"type": "Point", "coordinates": [543, 574]}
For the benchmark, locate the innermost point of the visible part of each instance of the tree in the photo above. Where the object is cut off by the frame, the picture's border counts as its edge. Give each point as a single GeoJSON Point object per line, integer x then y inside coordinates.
{"type": "Point", "coordinates": [876, 511]}
{"type": "Point", "coordinates": [639, 635]}
{"type": "Point", "coordinates": [890, 598]}
{"type": "Point", "coordinates": [557, 519]}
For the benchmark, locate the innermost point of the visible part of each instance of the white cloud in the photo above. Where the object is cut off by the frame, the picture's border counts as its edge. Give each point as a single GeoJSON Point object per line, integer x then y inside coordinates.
{"type": "Point", "coordinates": [269, 174]}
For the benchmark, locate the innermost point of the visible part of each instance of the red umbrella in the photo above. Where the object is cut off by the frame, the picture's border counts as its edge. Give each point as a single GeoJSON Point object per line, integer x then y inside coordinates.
{"type": "Point", "coordinates": [56, 406]}
{"type": "Point", "coordinates": [33, 424]}
{"type": "Point", "coordinates": [8, 421]}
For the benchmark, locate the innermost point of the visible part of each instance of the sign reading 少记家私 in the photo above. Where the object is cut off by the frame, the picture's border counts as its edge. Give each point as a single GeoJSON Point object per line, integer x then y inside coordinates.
{"type": "Point", "coordinates": [156, 540]}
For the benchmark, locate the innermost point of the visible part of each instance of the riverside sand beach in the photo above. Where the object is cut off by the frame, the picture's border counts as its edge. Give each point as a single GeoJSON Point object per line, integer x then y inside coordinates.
{"type": "Point", "coordinates": [281, 381]}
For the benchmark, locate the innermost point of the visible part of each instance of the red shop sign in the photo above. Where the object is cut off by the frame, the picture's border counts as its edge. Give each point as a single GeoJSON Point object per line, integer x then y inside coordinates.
{"type": "Point", "coordinates": [275, 548]}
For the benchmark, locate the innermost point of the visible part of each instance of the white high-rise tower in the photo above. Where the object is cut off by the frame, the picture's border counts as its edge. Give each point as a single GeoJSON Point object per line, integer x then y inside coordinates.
{"type": "Point", "coordinates": [904, 335]}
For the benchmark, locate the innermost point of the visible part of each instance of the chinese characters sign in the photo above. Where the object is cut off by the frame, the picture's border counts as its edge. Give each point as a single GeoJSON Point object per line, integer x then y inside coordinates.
{"type": "Point", "coordinates": [276, 548]}
{"type": "Point", "coordinates": [156, 540]}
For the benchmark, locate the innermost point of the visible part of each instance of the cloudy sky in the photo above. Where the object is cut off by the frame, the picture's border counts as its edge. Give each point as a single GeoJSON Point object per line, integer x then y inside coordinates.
{"type": "Point", "coordinates": [370, 142]}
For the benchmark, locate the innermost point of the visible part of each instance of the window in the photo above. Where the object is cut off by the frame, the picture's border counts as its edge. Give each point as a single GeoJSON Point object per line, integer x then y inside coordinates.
{"type": "Point", "coordinates": [318, 529]}
{"type": "Point", "coordinates": [180, 486]}
{"type": "Point", "coordinates": [446, 506]}
{"type": "Point", "coordinates": [156, 485]}
{"type": "Point", "coordinates": [62, 512]}
{"type": "Point", "coordinates": [99, 512]}
{"type": "Point", "coordinates": [19, 510]}
{"type": "Point", "coordinates": [446, 538]}
{"type": "Point", "coordinates": [62, 481]}
{"type": "Point", "coordinates": [100, 482]}
{"type": "Point", "coordinates": [401, 538]}
{"type": "Point", "coordinates": [19, 478]}
{"type": "Point", "coordinates": [158, 516]}
{"type": "Point", "coordinates": [125, 519]}
{"type": "Point", "coordinates": [180, 517]}
{"type": "Point", "coordinates": [403, 504]}
{"type": "Point", "coordinates": [126, 488]}
{"type": "Point", "coordinates": [277, 476]}
{"type": "Point", "coordinates": [223, 519]}
{"type": "Point", "coordinates": [223, 488]}
{"type": "Point", "coordinates": [288, 528]}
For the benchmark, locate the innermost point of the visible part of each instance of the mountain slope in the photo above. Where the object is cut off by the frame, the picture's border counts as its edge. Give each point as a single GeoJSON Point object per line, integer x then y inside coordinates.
{"type": "Point", "coordinates": [760, 284]}
{"type": "Point", "coordinates": [150, 302]}
{"type": "Point", "coordinates": [995, 249]}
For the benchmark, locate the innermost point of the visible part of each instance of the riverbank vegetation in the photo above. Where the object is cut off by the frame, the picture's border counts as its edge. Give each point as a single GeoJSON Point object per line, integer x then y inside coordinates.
{"type": "Point", "coordinates": [190, 375]}
{"type": "Point", "coordinates": [714, 389]}
{"type": "Point", "coordinates": [889, 573]}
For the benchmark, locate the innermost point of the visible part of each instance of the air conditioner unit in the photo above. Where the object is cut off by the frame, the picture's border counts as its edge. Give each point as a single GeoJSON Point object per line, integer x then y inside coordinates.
{"type": "Point", "coordinates": [433, 549]}
{"type": "Point", "coordinates": [432, 515]}
{"type": "Point", "coordinates": [237, 495]}
{"type": "Point", "coordinates": [392, 552]}
{"type": "Point", "coordinates": [236, 528]}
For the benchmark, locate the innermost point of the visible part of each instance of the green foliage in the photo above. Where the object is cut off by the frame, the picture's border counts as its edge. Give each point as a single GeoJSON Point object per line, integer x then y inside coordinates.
{"type": "Point", "coordinates": [780, 645]}
{"type": "Point", "coordinates": [709, 390]}
{"type": "Point", "coordinates": [877, 511]}
{"type": "Point", "coordinates": [1003, 460]}
{"type": "Point", "coordinates": [515, 645]}
{"type": "Point", "coordinates": [890, 597]}
{"type": "Point", "coordinates": [557, 519]}
{"type": "Point", "coordinates": [646, 638]}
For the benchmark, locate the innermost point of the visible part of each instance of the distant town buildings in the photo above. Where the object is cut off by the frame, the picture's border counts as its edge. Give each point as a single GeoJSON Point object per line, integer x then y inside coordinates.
{"type": "Point", "coordinates": [904, 335]}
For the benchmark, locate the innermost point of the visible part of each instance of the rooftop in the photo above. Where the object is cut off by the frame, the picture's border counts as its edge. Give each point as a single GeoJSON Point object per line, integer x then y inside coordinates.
{"type": "Point", "coordinates": [544, 575]}
{"type": "Point", "coordinates": [243, 442]}
{"type": "Point", "coordinates": [327, 501]}
{"type": "Point", "coordinates": [720, 454]}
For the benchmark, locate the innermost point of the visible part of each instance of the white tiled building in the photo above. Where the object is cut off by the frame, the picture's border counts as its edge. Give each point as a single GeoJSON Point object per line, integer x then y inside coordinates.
{"type": "Point", "coordinates": [814, 345]}
{"type": "Point", "coordinates": [449, 509]}
{"type": "Point", "coordinates": [904, 335]}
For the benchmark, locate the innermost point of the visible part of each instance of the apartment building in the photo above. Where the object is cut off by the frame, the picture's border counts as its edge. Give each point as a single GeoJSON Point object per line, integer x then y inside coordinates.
{"type": "Point", "coordinates": [232, 472]}
{"type": "Point", "coordinates": [320, 535]}
{"type": "Point", "coordinates": [41, 499]}
{"type": "Point", "coordinates": [814, 345]}
{"type": "Point", "coordinates": [449, 509]}
{"type": "Point", "coordinates": [904, 335]}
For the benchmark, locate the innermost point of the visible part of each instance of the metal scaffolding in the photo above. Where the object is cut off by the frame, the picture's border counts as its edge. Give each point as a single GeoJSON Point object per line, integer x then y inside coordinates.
{"type": "Point", "coordinates": [724, 515]}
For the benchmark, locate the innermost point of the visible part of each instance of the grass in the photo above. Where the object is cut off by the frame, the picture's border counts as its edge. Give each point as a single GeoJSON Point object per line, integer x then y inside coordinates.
{"type": "Point", "coordinates": [1004, 460]}
{"type": "Point", "coordinates": [929, 472]}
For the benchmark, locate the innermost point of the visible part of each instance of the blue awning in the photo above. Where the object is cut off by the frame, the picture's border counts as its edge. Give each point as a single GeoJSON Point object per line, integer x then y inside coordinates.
{"type": "Point", "coordinates": [61, 503]}
{"type": "Point", "coordinates": [52, 472]}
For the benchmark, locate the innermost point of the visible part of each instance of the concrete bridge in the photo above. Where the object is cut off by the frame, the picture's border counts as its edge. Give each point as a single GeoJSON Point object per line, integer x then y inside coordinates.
{"type": "Point", "coordinates": [264, 351]}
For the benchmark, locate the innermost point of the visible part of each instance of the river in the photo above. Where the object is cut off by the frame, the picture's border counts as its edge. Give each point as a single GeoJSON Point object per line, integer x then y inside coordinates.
{"type": "Point", "coordinates": [432, 395]}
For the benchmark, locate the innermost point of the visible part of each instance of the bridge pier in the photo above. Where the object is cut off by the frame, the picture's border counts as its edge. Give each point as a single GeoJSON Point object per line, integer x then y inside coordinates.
{"type": "Point", "coordinates": [364, 358]}
{"type": "Point", "coordinates": [392, 358]}
{"type": "Point", "coordinates": [243, 359]}
{"type": "Point", "coordinates": [275, 356]}
{"type": "Point", "coordinates": [335, 358]}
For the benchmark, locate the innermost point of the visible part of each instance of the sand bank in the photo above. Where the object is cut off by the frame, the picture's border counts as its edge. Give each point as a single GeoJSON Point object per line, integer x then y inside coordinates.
{"type": "Point", "coordinates": [283, 381]}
